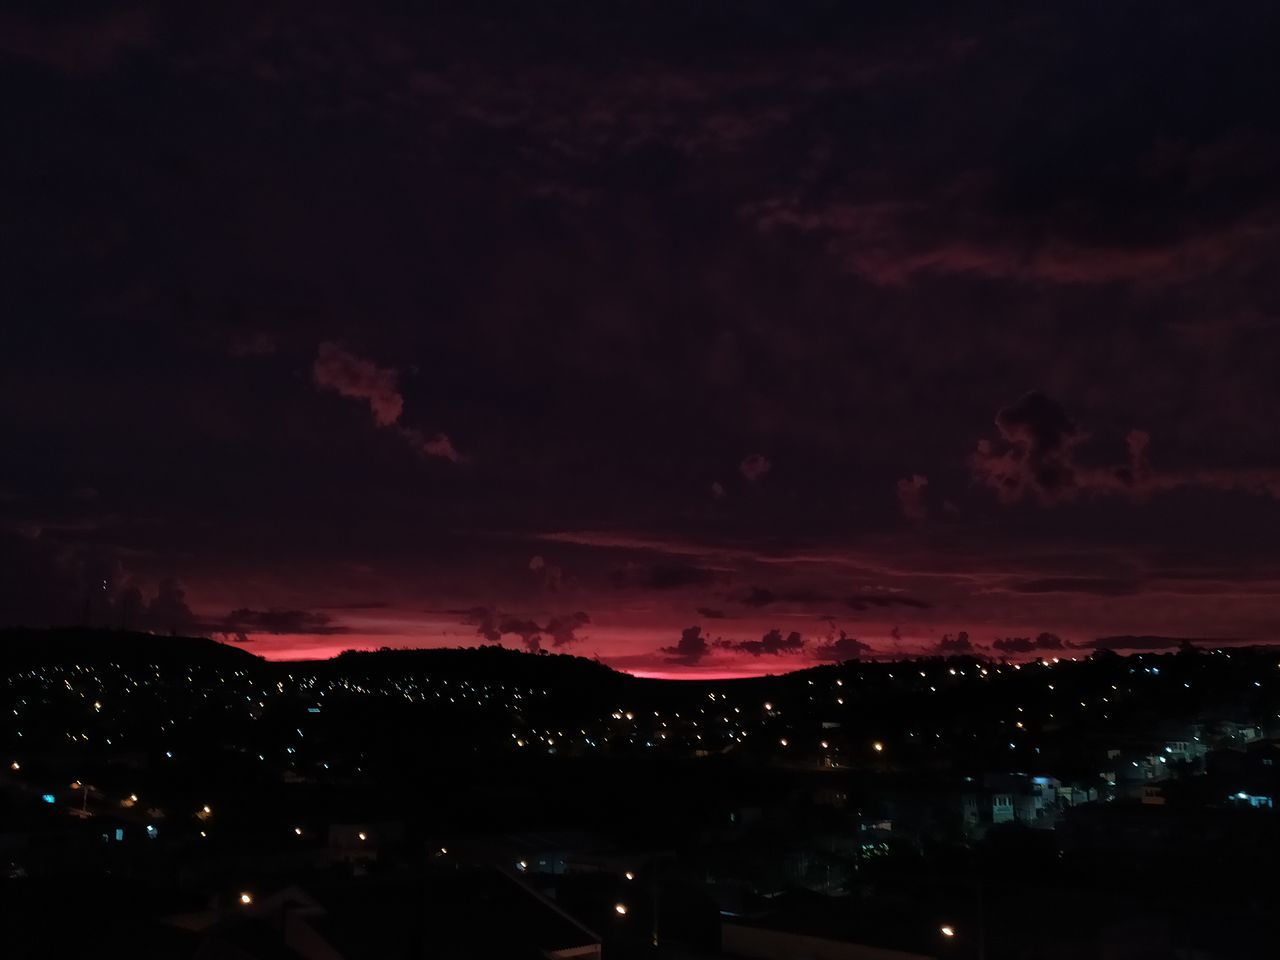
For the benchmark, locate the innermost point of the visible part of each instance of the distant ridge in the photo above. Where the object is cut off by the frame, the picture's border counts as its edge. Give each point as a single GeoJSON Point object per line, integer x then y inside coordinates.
{"type": "Point", "coordinates": [62, 645]}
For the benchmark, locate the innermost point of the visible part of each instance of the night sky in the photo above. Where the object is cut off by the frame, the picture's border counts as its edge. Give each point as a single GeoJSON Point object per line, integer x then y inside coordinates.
{"type": "Point", "coordinates": [708, 338]}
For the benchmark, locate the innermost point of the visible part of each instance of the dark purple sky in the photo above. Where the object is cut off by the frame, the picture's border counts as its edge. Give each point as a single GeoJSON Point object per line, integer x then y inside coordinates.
{"type": "Point", "coordinates": [707, 338]}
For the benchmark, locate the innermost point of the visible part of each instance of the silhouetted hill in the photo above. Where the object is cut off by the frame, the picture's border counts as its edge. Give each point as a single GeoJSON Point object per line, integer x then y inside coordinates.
{"type": "Point", "coordinates": [490, 663]}
{"type": "Point", "coordinates": [56, 645]}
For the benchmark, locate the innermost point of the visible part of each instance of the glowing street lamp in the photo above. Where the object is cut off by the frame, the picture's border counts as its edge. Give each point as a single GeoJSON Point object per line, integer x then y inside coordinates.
{"type": "Point", "coordinates": [878, 747]}
{"type": "Point", "coordinates": [246, 898]}
{"type": "Point", "coordinates": [620, 909]}
{"type": "Point", "coordinates": [947, 930]}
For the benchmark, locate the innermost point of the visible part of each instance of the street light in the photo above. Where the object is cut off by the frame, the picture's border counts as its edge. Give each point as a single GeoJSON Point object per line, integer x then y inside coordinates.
{"type": "Point", "coordinates": [620, 909]}
{"type": "Point", "coordinates": [878, 747]}
{"type": "Point", "coordinates": [246, 898]}
{"type": "Point", "coordinates": [947, 930]}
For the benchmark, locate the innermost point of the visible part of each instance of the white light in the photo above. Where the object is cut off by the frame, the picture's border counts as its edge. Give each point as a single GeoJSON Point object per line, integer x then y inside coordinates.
{"type": "Point", "coordinates": [246, 898]}
{"type": "Point", "coordinates": [878, 747]}
{"type": "Point", "coordinates": [947, 930]}
{"type": "Point", "coordinates": [629, 875]}
{"type": "Point", "coordinates": [620, 909]}
{"type": "Point", "coordinates": [362, 835]}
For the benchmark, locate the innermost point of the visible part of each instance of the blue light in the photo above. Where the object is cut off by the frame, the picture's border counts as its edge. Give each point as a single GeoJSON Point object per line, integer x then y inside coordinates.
{"type": "Point", "coordinates": [49, 798]}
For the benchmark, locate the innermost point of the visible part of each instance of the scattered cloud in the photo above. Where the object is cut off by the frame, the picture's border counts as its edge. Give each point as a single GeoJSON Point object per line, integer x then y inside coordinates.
{"type": "Point", "coordinates": [1043, 641]}
{"type": "Point", "coordinates": [1035, 457]}
{"type": "Point", "coordinates": [958, 644]}
{"type": "Point", "coordinates": [561, 630]}
{"type": "Point", "coordinates": [841, 648]}
{"type": "Point", "coordinates": [691, 649]}
{"type": "Point", "coordinates": [772, 643]}
{"type": "Point", "coordinates": [1146, 642]}
{"type": "Point", "coordinates": [359, 379]}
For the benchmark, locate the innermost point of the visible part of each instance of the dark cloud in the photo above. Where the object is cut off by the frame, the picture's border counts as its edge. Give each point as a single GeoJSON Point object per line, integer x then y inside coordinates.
{"type": "Point", "coordinates": [561, 630]}
{"type": "Point", "coordinates": [772, 643]}
{"type": "Point", "coordinates": [867, 601]}
{"type": "Point", "coordinates": [670, 575]}
{"type": "Point", "coordinates": [1043, 641]}
{"type": "Point", "coordinates": [691, 649]}
{"type": "Point", "coordinates": [958, 644]}
{"type": "Point", "coordinates": [841, 648]}
{"type": "Point", "coordinates": [1035, 457]}
{"type": "Point", "coordinates": [1140, 643]}
{"type": "Point", "coordinates": [439, 445]}
{"type": "Point", "coordinates": [249, 621]}
{"type": "Point", "coordinates": [711, 613]}
{"type": "Point", "coordinates": [1098, 586]}
{"type": "Point", "coordinates": [761, 597]}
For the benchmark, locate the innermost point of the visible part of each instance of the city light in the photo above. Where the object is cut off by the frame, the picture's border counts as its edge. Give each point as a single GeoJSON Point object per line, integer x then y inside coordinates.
{"type": "Point", "coordinates": [620, 909]}
{"type": "Point", "coordinates": [878, 747]}
{"type": "Point", "coordinates": [629, 875]}
{"type": "Point", "coordinates": [947, 930]}
{"type": "Point", "coordinates": [246, 898]}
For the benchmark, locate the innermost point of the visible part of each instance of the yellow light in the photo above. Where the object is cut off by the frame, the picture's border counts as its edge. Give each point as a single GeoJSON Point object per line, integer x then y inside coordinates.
{"type": "Point", "coordinates": [15, 765]}
{"type": "Point", "coordinates": [620, 909]}
{"type": "Point", "coordinates": [629, 875]}
{"type": "Point", "coordinates": [362, 835]}
{"type": "Point", "coordinates": [206, 809]}
{"type": "Point", "coordinates": [246, 898]}
{"type": "Point", "coordinates": [947, 930]}
{"type": "Point", "coordinates": [297, 831]}
{"type": "Point", "coordinates": [878, 747]}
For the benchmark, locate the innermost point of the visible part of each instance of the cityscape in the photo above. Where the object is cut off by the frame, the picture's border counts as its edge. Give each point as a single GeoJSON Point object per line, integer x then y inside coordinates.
{"type": "Point", "coordinates": [944, 806]}
{"type": "Point", "coordinates": [640, 480]}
